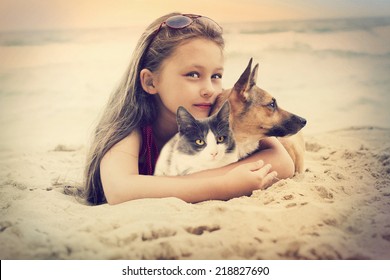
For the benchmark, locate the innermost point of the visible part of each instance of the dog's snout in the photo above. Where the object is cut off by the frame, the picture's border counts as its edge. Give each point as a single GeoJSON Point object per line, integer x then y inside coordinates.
{"type": "Point", "coordinates": [303, 121]}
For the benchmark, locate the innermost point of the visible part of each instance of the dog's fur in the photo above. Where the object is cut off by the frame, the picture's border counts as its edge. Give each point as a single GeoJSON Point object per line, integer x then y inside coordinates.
{"type": "Point", "coordinates": [255, 115]}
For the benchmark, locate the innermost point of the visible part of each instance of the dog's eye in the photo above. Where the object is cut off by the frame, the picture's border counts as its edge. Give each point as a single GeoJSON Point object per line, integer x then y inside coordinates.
{"type": "Point", "coordinates": [272, 105]}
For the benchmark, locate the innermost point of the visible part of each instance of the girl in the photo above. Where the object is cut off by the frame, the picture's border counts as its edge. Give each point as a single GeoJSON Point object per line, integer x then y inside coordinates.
{"type": "Point", "coordinates": [178, 61]}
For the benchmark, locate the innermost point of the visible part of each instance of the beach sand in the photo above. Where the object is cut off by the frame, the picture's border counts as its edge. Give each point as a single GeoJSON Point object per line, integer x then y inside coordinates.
{"type": "Point", "coordinates": [338, 209]}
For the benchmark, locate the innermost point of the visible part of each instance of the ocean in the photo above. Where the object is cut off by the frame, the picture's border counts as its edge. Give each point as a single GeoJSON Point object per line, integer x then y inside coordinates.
{"type": "Point", "coordinates": [333, 72]}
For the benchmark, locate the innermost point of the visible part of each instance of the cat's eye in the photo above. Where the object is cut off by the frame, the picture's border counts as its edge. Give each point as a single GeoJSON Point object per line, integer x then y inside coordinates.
{"type": "Point", "coordinates": [220, 139]}
{"type": "Point", "coordinates": [199, 142]}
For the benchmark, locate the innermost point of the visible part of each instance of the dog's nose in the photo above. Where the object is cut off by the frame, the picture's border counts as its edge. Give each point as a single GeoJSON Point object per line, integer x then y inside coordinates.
{"type": "Point", "coordinates": [303, 121]}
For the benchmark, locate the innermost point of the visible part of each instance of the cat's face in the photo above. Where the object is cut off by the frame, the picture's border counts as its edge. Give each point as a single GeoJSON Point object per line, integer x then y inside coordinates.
{"type": "Point", "coordinates": [209, 139]}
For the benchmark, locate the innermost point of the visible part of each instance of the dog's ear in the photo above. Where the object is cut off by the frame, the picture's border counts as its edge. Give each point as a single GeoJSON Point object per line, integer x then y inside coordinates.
{"type": "Point", "coordinates": [253, 77]}
{"type": "Point", "coordinates": [243, 82]}
{"type": "Point", "coordinates": [224, 112]}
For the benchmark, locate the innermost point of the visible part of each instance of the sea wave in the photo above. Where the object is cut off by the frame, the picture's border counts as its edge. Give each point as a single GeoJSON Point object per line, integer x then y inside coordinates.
{"type": "Point", "coordinates": [47, 37]}
{"type": "Point", "coordinates": [33, 38]}
{"type": "Point", "coordinates": [308, 49]}
{"type": "Point", "coordinates": [374, 42]}
{"type": "Point", "coordinates": [308, 26]}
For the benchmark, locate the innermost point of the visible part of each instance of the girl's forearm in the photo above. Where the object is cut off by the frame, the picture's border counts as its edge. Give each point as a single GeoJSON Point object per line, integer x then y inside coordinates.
{"type": "Point", "coordinates": [120, 186]}
{"type": "Point", "coordinates": [186, 188]}
{"type": "Point", "coordinates": [240, 181]}
{"type": "Point", "coordinates": [275, 154]}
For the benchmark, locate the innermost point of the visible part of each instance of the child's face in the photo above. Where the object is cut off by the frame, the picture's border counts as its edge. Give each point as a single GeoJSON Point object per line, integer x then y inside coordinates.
{"type": "Point", "coordinates": [190, 77]}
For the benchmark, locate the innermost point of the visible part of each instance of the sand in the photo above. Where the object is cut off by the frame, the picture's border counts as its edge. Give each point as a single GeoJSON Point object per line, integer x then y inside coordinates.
{"type": "Point", "coordinates": [338, 209]}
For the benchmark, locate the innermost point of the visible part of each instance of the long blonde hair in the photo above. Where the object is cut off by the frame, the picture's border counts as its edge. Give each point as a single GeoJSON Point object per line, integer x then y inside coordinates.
{"type": "Point", "coordinates": [130, 107]}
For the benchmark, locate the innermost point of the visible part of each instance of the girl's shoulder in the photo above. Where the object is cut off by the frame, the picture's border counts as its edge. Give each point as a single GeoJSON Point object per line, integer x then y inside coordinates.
{"type": "Point", "coordinates": [131, 144]}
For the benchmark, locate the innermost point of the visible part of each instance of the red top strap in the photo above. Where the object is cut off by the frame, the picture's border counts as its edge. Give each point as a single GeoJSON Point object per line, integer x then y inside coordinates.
{"type": "Point", "coordinates": [149, 152]}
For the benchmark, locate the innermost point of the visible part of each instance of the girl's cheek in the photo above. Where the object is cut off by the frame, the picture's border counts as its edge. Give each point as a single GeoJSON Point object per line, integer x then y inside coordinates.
{"type": "Point", "coordinates": [218, 85]}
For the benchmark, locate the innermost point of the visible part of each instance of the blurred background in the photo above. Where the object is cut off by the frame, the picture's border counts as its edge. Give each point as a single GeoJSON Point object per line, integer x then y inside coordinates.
{"type": "Point", "coordinates": [327, 61]}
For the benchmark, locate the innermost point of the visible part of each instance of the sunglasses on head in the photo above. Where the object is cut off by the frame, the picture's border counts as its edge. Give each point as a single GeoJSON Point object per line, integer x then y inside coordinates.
{"type": "Point", "coordinates": [179, 22]}
{"type": "Point", "coordinates": [182, 21]}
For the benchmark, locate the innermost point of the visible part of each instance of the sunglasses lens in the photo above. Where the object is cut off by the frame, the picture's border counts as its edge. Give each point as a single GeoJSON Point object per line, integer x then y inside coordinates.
{"type": "Point", "coordinates": [178, 21]}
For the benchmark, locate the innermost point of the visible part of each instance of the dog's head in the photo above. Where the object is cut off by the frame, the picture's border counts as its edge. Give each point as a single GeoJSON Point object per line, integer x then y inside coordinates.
{"type": "Point", "coordinates": [254, 111]}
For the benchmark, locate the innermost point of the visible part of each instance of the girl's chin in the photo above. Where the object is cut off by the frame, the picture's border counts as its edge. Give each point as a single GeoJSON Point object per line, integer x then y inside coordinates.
{"type": "Point", "coordinates": [198, 115]}
{"type": "Point", "coordinates": [200, 112]}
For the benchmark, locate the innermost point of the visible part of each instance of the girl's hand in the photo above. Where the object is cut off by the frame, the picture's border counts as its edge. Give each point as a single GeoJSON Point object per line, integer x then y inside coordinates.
{"type": "Point", "coordinates": [245, 178]}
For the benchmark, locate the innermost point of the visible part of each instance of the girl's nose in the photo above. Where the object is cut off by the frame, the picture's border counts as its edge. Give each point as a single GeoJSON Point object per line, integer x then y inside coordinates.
{"type": "Point", "coordinates": [208, 90]}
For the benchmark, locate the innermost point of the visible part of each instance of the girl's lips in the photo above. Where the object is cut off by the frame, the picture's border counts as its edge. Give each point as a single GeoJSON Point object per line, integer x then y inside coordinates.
{"type": "Point", "coordinates": [203, 106]}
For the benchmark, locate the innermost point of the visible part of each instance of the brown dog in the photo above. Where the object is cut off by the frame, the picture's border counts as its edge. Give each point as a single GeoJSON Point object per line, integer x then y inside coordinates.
{"type": "Point", "coordinates": [255, 115]}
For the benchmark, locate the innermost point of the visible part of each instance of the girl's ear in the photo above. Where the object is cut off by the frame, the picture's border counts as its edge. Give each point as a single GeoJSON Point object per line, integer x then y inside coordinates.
{"type": "Point", "coordinates": [147, 81]}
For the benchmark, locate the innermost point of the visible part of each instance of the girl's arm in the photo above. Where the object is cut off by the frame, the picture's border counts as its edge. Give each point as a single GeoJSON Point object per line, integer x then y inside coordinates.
{"type": "Point", "coordinates": [271, 151]}
{"type": "Point", "coordinates": [121, 181]}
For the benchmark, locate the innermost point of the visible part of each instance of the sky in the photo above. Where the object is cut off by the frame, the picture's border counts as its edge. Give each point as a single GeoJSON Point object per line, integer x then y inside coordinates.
{"type": "Point", "coordinates": [64, 14]}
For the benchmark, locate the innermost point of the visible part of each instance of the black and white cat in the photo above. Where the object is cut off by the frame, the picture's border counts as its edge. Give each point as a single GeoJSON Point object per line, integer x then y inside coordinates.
{"type": "Point", "coordinates": [199, 145]}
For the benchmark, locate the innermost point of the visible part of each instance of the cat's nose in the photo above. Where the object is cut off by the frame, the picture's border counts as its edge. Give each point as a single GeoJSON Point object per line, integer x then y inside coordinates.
{"type": "Point", "coordinates": [214, 154]}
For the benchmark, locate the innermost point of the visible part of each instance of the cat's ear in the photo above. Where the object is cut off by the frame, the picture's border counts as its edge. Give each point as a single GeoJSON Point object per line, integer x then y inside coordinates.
{"type": "Point", "coordinates": [184, 119]}
{"type": "Point", "coordinates": [224, 112]}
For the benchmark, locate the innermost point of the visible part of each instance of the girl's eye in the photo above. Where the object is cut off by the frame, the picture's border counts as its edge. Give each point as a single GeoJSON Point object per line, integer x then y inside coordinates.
{"type": "Point", "coordinates": [193, 75]}
{"type": "Point", "coordinates": [220, 139]}
{"type": "Point", "coordinates": [217, 76]}
{"type": "Point", "coordinates": [199, 142]}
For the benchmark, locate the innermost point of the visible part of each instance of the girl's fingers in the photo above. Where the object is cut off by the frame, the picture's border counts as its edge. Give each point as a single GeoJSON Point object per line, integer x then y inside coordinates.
{"type": "Point", "coordinates": [269, 179]}
{"type": "Point", "coordinates": [254, 166]}
{"type": "Point", "coordinates": [262, 172]}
